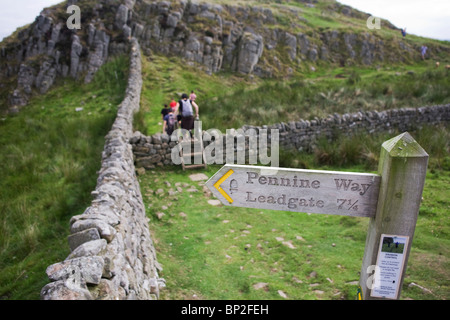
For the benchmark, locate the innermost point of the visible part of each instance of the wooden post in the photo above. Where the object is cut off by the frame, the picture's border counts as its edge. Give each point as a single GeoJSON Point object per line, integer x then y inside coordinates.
{"type": "Point", "coordinates": [403, 166]}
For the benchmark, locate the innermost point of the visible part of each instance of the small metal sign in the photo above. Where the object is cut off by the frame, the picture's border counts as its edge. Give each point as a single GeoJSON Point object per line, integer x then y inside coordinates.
{"type": "Point", "coordinates": [311, 191]}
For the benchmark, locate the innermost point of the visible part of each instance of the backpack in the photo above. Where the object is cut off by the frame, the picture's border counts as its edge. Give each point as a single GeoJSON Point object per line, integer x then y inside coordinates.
{"type": "Point", "coordinates": [170, 124]}
{"type": "Point", "coordinates": [186, 108]}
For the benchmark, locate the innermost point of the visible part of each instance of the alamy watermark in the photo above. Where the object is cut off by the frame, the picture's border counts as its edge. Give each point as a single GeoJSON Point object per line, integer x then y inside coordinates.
{"type": "Point", "coordinates": [250, 146]}
{"type": "Point", "coordinates": [373, 23]}
{"type": "Point", "coordinates": [373, 281]}
{"type": "Point", "coordinates": [74, 21]}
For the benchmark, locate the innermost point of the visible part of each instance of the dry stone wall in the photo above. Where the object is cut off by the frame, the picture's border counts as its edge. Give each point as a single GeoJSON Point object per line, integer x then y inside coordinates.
{"type": "Point", "coordinates": [304, 133]}
{"type": "Point", "coordinates": [156, 150]}
{"type": "Point", "coordinates": [112, 255]}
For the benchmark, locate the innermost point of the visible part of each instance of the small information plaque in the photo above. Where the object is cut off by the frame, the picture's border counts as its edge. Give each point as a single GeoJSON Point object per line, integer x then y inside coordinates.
{"type": "Point", "coordinates": [390, 261]}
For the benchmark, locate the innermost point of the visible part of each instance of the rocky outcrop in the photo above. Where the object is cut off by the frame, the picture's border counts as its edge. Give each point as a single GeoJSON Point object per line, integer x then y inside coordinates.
{"type": "Point", "coordinates": [250, 50]}
{"type": "Point", "coordinates": [200, 33]}
{"type": "Point", "coordinates": [47, 49]}
{"type": "Point", "coordinates": [250, 39]}
{"type": "Point", "coordinates": [112, 255]}
{"type": "Point", "coordinates": [246, 39]}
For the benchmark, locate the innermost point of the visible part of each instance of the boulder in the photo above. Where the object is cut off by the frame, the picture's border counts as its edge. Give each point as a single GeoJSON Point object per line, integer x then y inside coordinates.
{"type": "Point", "coordinates": [121, 16]}
{"type": "Point", "coordinates": [60, 290]}
{"type": "Point", "coordinates": [75, 53]}
{"type": "Point", "coordinates": [83, 270]}
{"type": "Point", "coordinates": [250, 50]}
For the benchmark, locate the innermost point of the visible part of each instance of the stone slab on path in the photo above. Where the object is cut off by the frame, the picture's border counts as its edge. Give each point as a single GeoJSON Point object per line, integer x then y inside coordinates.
{"type": "Point", "coordinates": [214, 202]}
{"type": "Point", "coordinates": [198, 177]}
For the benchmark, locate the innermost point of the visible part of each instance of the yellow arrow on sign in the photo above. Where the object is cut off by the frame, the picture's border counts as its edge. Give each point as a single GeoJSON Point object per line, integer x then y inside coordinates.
{"type": "Point", "coordinates": [220, 181]}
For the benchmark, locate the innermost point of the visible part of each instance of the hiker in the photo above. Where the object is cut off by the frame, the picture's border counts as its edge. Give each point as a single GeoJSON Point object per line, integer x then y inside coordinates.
{"type": "Point", "coordinates": [173, 105]}
{"type": "Point", "coordinates": [193, 96]}
{"type": "Point", "coordinates": [404, 32]}
{"type": "Point", "coordinates": [169, 122]}
{"type": "Point", "coordinates": [165, 111]}
{"type": "Point", "coordinates": [423, 51]}
{"type": "Point", "coordinates": [186, 112]}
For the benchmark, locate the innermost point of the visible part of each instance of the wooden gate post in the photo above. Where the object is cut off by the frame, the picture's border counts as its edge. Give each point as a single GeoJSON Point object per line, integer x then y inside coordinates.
{"type": "Point", "coordinates": [402, 166]}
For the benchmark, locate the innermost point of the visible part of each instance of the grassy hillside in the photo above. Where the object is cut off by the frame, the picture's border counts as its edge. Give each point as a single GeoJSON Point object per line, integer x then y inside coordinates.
{"type": "Point", "coordinates": [51, 151]}
{"type": "Point", "coordinates": [48, 163]}
{"type": "Point", "coordinates": [227, 100]}
{"type": "Point", "coordinates": [261, 254]}
{"type": "Point", "coordinates": [48, 173]}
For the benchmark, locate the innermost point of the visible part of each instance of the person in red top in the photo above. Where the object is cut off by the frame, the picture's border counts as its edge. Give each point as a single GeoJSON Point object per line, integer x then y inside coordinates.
{"type": "Point", "coordinates": [173, 105]}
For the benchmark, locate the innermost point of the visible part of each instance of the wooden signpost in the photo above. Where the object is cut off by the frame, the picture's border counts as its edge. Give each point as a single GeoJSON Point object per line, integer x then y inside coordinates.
{"type": "Point", "coordinates": [403, 167]}
{"type": "Point", "coordinates": [312, 191]}
{"type": "Point", "coordinates": [391, 200]}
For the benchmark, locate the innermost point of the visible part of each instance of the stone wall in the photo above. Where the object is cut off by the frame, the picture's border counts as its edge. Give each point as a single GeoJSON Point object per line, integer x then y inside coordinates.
{"type": "Point", "coordinates": [112, 255]}
{"type": "Point", "coordinates": [303, 134]}
{"type": "Point", "coordinates": [156, 150]}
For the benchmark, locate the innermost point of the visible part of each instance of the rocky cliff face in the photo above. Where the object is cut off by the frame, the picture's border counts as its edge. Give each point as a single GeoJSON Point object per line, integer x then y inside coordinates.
{"type": "Point", "coordinates": [265, 40]}
{"type": "Point", "coordinates": [262, 40]}
{"type": "Point", "coordinates": [33, 58]}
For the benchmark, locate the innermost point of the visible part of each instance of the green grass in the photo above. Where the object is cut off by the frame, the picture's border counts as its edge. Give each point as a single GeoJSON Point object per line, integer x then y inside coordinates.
{"type": "Point", "coordinates": [227, 101]}
{"type": "Point", "coordinates": [51, 152]}
{"type": "Point", "coordinates": [350, 90]}
{"type": "Point", "coordinates": [222, 252]}
{"type": "Point", "coordinates": [362, 151]}
{"type": "Point", "coordinates": [166, 79]}
{"type": "Point", "coordinates": [230, 101]}
{"type": "Point", "coordinates": [393, 248]}
{"type": "Point", "coordinates": [49, 157]}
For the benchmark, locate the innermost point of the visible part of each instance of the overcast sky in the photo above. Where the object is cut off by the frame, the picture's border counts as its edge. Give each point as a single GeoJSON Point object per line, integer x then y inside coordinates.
{"type": "Point", "coordinates": [428, 18]}
{"type": "Point", "coordinates": [17, 13]}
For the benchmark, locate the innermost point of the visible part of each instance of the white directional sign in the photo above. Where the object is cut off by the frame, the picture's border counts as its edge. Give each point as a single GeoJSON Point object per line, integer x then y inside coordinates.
{"type": "Point", "coordinates": [312, 191]}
